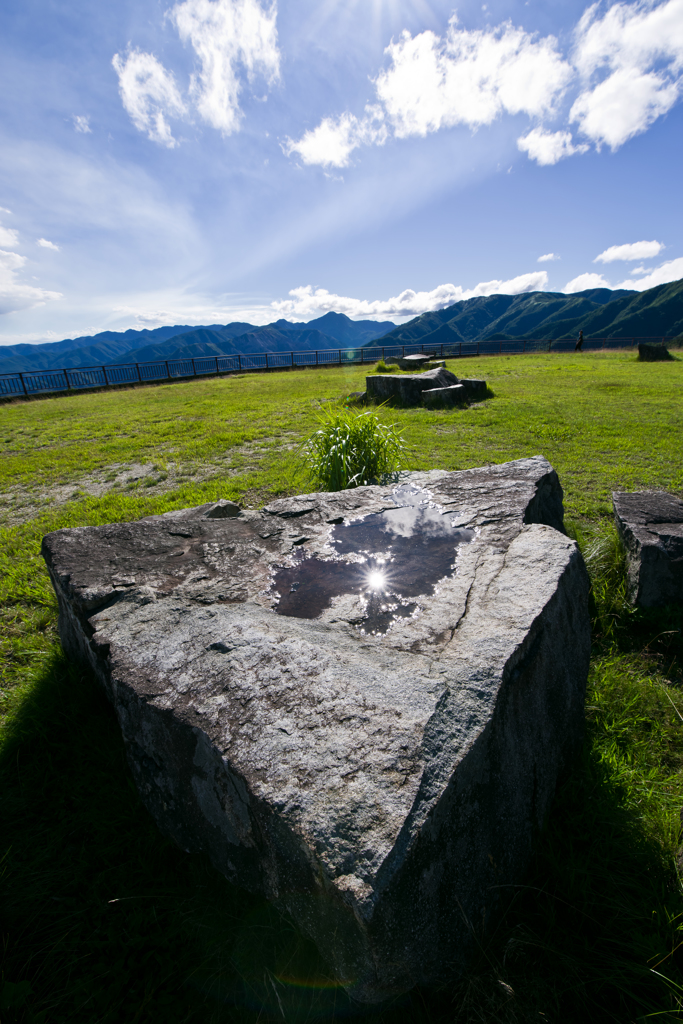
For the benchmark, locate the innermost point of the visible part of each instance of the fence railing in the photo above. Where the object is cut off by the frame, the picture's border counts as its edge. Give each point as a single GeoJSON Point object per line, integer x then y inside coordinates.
{"type": "Point", "coordinates": [34, 382]}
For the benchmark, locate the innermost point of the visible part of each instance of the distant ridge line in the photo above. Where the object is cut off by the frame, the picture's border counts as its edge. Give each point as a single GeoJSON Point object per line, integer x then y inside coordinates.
{"type": "Point", "coordinates": [30, 383]}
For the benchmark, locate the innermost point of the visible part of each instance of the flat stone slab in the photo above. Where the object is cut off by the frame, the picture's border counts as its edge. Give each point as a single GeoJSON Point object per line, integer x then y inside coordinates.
{"type": "Point", "coordinates": [407, 388]}
{"type": "Point", "coordinates": [650, 524]}
{"type": "Point", "coordinates": [453, 395]}
{"type": "Point", "coordinates": [476, 389]}
{"type": "Point", "coordinates": [357, 703]}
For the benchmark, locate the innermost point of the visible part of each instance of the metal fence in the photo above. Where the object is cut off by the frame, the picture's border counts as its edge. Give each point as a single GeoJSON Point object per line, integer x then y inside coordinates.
{"type": "Point", "coordinates": [34, 382]}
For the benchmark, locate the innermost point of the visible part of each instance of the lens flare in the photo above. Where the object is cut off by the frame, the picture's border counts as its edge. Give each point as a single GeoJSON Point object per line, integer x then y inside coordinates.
{"type": "Point", "coordinates": [377, 580]}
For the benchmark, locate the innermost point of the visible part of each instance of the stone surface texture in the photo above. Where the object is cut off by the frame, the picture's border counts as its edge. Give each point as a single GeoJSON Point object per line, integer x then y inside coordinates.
{"type": "Point", "coordinates": [378, 788]}
{"type": "Point", "coordinates": [407, 388]}
{"type": "Point", "coordinates": [650, 524]}
{"type": "Point", "coordinates": [476, 389]}
{"type": "Point", "coordinates": [453, 395]}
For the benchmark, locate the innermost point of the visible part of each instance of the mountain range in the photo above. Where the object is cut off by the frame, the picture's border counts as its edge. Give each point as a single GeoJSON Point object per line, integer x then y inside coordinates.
{"type": "Point", "coordinates": [333, 330]}
{"type": "Point", "coordinates": [598, 312]}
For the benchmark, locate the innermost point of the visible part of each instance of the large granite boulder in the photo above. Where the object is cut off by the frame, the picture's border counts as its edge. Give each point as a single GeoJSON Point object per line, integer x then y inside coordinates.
{"type": "Point", "coordinates": [650, 524]}
{"type": "Point", "coordinates": [357, 703]}
{"type": "Point", "coordinates": [407, 388]}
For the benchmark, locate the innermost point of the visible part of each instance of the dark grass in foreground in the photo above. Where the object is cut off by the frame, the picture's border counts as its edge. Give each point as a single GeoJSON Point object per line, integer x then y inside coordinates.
{"type": "Point", "coordinates": [104, 920]}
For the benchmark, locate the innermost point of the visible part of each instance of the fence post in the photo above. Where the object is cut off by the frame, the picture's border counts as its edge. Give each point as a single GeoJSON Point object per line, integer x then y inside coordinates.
{"type": "Point", "coordinates": [523, 345]}
{"type": "Point", "coordinates": [168, 372]}
{"type": "Point", "coordinates": [362, 356]}
{"type": "Point", "coordinates": [23, 384]}
{"type": "Point", "coordinates": [340, 357]}
{"type": "Point", "coordinates": [266, 360]}
{"type": "Point", "coordinates": [292, 355]}
{"type": "Point", "coordinates": [239, 361]}
{"type": "Point", "coordinates": [477, 348]}
{"type": "Point", "coordinates": [460, 350]}
{"type": "Point", "coordinates": [316, 358]}
{"type": "Point", "coordinates": [500, 346]}
{"type": "Point", "coordinates": [137, 370]}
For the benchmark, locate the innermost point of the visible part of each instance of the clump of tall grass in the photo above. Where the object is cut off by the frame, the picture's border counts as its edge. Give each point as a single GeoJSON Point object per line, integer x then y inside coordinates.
{"type": "Point", "coordinates": [352, 449]}
{"type": "Point", "coordinates": [605, 559]}
{"type": "Point", "coordinates": [382, 367]}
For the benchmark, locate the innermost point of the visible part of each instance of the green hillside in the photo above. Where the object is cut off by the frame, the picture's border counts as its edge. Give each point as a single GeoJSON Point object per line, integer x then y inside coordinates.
{"type": "Point", "coordinates": [598, 312]}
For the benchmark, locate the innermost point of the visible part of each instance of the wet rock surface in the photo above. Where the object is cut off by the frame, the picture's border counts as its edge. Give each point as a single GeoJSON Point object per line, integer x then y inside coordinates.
{"type": "Point", "coordinates": [650, 524]}
{"type": "Point", "coordinates": [378, 773]}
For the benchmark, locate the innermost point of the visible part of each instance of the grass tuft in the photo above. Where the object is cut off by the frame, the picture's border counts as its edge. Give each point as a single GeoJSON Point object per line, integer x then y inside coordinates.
{"type": "Point", "coordinates": [352, 449]}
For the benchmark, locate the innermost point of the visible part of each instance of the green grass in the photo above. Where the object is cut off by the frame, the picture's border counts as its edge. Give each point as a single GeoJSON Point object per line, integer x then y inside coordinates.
{"type": "Point", "coordinates": [104, 920]}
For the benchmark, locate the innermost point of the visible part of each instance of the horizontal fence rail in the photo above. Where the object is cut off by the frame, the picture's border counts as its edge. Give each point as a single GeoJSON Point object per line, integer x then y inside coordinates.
{"type": "Point", "coordinates": [35, 382]}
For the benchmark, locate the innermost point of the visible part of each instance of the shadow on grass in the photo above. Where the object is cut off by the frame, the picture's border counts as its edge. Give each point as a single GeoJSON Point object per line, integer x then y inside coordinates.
{"type": "Point", "coordinates": [105, 920]}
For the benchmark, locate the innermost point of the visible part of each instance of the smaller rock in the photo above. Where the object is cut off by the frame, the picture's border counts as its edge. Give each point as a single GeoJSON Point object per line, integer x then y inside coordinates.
{"type": "Point", "coordinates": [453, 395]}
{"type": "Point", "coordinates": [357, 397]}
{"type": "Point", "coordinates": [653, 352]}
{"type": "Point", "coordinates": [221, 509]}
{"type": "Point", "coordinates": [476, 389]}
{"type": "Point", "coordinates": [650, 524]}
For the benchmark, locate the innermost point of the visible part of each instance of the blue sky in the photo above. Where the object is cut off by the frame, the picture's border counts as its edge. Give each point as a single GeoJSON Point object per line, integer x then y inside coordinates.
{"type": "Point", "coordinates": [218, 160]}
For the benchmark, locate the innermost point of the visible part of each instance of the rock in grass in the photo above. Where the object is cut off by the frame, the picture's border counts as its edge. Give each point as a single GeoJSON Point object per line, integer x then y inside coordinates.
{"type": "Point", "coordinates": [357, 704]}
{"type": "Point", "coordinates": [453, 395]}
{"type": "Point", "coordinates": [407, 388]}
{"type": "Point", "coordinates": [476, 389]}
{"type": "Point", "coordinates": [650, 524]}
{"type": "Point", "coordinates": [653, 352]}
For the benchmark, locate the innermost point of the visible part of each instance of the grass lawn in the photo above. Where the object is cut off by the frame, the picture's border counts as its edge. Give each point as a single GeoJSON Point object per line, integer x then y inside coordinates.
{"type": "Point", "coordinates": [103, 920]}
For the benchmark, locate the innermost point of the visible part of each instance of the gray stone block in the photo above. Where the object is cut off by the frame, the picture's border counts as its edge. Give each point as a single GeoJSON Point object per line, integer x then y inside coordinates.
{"type": "Point", "coordinates": [453, 395]}
{"type": "Point", "coordinates": [357, 704]}
{"type": "Point", "coordinates": [650, 524]}
{"type": "Point", "coordinates": [407, 388]}
{"type": "Point", "coordinates": [476, 389]}
{"type": "Point", "coordinates": [653, 352]}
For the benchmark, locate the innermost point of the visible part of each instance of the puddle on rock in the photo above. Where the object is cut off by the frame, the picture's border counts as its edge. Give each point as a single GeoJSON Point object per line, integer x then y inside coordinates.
{"type": "Point", "coordinates": [385, 558]}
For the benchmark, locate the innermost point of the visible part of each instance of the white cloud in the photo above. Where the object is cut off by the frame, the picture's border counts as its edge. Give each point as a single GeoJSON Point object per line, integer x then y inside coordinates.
{"type": "Point", "coordinates": [307, 302]}
{"type": "Point", "coordinates": [81, 124]}
{"type": "Point", "coordinates": [632, 251]}
{"type": "Point", "coordinates": [149, 94]}
{"type": "Point", "coordinates": [546, 148]}
{"type": "Point", "coordinates": [469, 77]}
{"type": "Point", "coordinates": [332, 142]}
{"type": "Point", "coordinates": [548, 257]}
{"type": "Point", "coordinates": [43, 242]}
{"type": "Point", "coordinates": [670, 271]}
{"type": "Point", "coordinates": [13, 294]}
{"type": "Point", "coordinates": [636, 50]}
{"type": "Point", "coordinates": [585, 281]}
{"type": "Point", "coordinates": [225, 34]}
{"type": "Point", "coordinates": [626, 66]}
{"type": "Point", "coordinates": [8, 236]}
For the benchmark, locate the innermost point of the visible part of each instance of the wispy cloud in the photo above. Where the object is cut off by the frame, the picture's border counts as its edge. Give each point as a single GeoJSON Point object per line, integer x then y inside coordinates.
{"type": "Point", "coordinates": [227, 35]}
{"type": "Point", "coordinates": [307, 302]}
{"type": "Point", "coordinates": [8, 236]}
{"type": "Point", "coordinates": [81, 124]}
{"type": "Point", "coordinates": [44, 244]}
{"type": "Point", "coordinates": [548, 257]}
{"type": "Point", "coordinates": [632, 251]}
{"type": "Point", "coordinates": [149, 94]}
{"type": "Point", "coordinates": [14, 295]}
{"type": "Point", "coordinates": [231, 39]}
